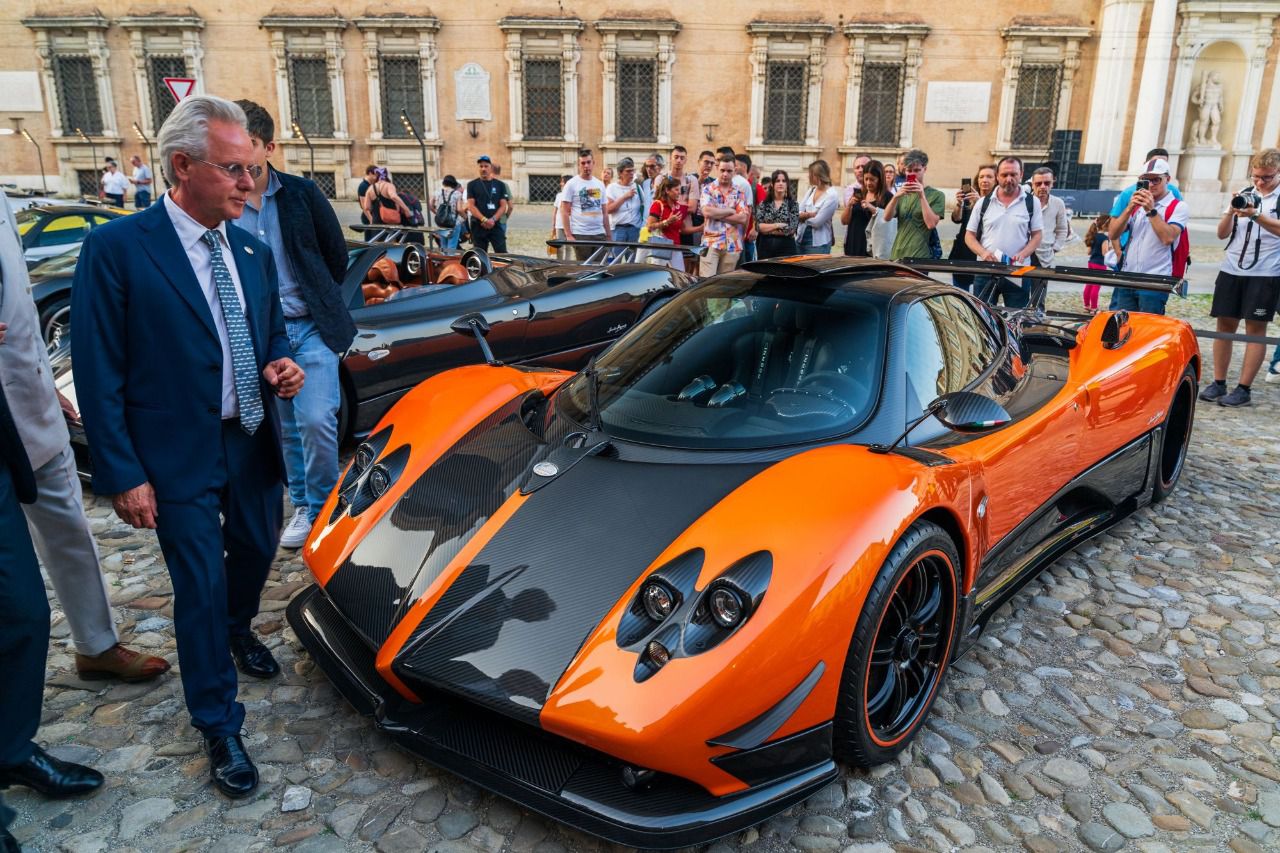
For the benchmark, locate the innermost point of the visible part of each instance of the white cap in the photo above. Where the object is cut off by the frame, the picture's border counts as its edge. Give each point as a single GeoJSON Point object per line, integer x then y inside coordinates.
{"type": "Point", "coordinates": [1156, 166]}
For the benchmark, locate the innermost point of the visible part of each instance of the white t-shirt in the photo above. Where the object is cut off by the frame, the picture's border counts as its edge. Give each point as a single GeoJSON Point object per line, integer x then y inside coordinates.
{"type": "Point", "coordinates": [743, 184]}
{"type": "Point", "coordinates": [560, 199]}
{"type": "Point", "coordinates": [1268, 262]}
{"type": "Point", "coordinates": [586, 197]}
{"type": "Point", "coordinates": [115, 183]}
{"type": "Point", "coordinates": [142, 173]}
{"type": "Point", "coordinates": [630, 212]}
{"type": "Point", "coordinates": [1144, 252]}
{"type": "Point", "coordinates": [1006, 228]}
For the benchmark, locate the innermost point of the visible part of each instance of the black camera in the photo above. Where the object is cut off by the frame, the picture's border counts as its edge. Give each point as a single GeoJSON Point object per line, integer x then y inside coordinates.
{"type": "Point", "coordinates": [1246, 198]}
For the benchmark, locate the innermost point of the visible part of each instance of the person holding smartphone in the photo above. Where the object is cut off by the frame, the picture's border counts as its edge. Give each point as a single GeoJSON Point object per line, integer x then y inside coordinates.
{"type": "Point", "coordinates": [918, 209]}
{"type": "Point", "coordinates": [972, 191]}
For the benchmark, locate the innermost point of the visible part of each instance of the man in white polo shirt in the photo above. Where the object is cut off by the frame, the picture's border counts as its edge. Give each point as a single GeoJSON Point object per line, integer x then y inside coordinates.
{"type": "Point", "coordinates": [1006, 228]}
{"type": "Point", "coordinates": [1153, 231]}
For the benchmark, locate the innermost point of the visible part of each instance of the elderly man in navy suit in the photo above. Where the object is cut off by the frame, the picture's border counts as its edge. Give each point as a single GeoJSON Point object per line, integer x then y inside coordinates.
{"type": "Point", "coordinates": [179, 344]}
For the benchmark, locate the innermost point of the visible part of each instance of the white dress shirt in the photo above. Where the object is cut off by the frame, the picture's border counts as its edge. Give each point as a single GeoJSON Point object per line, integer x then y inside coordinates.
{"type": "Point", "coordinates": [1054, 214]}
{"type": "Point", "coordinates": [191, 236]}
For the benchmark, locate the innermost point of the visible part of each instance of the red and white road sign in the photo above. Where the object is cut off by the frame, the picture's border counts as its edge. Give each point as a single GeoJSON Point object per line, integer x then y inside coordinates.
{"type": "Point", "coordinates": [180, 87]}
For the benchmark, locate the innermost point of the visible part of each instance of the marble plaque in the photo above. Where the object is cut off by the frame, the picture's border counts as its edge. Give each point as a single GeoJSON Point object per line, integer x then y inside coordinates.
{"type": "Point", "coordinates": [20, 92]}
{"type": "Point", "coordinates": [957, 103]}
{"type": "Point", "coordinates": [471, 93]}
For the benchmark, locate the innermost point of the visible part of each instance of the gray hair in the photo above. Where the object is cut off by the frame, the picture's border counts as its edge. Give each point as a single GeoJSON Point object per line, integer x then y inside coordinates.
{"type": "Point", "coordinates": [186, 130]}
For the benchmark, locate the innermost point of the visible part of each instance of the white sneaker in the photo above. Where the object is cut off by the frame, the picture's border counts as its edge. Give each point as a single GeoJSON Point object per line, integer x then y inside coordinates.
{"type": "Point", "coordinates": [297, 530]}
{"type": "Point", "coordinates": [1273, 375]}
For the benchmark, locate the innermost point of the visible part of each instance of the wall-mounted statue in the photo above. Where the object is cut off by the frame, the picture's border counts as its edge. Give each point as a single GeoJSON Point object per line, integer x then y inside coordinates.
{"type": "Point", "coordinates": [1208, 97]}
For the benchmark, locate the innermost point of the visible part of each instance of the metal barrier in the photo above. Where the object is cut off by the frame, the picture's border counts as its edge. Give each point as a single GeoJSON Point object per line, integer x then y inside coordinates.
{"type": "Point", "coordinates": [604, 254]}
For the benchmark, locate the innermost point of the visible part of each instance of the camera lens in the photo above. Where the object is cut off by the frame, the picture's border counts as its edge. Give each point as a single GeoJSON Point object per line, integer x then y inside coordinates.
{"type": "Point", "coordinates": [1238, 202]}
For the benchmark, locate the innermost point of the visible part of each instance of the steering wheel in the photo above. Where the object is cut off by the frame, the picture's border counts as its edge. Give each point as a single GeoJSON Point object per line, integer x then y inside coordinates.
{"type": "Point", "coordinates": [477, 263]}
{"type": "Point", "coordinates": [845, 385]}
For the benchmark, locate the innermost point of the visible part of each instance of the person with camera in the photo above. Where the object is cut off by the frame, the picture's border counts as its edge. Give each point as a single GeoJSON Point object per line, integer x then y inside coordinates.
{"type": "Point", "coordinates": [971, 193]}
{"type": "Point", "coordinates": [1005, 228]}
{"type": "Point", "coordinates": [1154, 221]}
{"type": "Point", "coordinates": [1248, 284]}
{"type": "Point", "coordinates": [918, 208]}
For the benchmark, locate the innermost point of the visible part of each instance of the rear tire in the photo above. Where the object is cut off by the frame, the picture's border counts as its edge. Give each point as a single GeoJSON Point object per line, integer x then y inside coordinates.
{"type": "Point", "coordinates": [900, 648]}
{"type": "Point", "coordinates": [1175, 436]}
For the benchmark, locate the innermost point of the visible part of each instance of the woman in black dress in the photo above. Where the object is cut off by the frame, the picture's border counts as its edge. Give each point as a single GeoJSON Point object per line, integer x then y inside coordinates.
{"type": "Point", "coordinates": [865, 204]}
{"type": "Point", "coordinates": [777, 218]}
{"type": "Point", "coordinates": [968, 198]}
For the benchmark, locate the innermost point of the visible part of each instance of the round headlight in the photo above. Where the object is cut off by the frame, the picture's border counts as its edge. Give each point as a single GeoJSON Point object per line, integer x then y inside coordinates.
{"type": "Point", "coordinates": [364, 457]}
{"type": "Point", "coordinates": [379, 481]}
{"type": "Point", "coordinates": [657, 600]}
{"type": "Point", "coordinates": [726, 607]}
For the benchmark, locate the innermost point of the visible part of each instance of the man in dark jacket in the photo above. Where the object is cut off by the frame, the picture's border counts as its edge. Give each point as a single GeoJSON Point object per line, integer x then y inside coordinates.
{"type": "Point", "coordinates": [24, 641]}
{"type": "Point", "coordinates": [293, 217]}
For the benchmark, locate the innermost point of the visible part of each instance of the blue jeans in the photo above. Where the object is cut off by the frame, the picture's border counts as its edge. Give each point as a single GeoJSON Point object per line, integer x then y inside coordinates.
{"type": "Point", "coordinates": [142, 199]}
{"type": "Point", "coordinates": [1016, 294]}
{"type": "Point", "coordinates": [309, 422]}
{"type": "Point", "coordinates": [1131, 299]}
{"type": "Point", "coordinates": [451, 240]}
{"type": "Point", "coordinates": [625, 234]}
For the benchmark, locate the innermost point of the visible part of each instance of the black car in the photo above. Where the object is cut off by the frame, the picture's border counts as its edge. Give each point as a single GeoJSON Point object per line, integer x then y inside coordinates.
{"type": "Point", "coordinates": [405, 302]}
{"type": "Point", "coordinates": [51, 290]}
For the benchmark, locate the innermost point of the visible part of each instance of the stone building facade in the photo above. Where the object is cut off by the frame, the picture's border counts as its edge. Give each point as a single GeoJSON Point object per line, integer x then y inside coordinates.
{"type": "Point", "coordinates": [530, 82]}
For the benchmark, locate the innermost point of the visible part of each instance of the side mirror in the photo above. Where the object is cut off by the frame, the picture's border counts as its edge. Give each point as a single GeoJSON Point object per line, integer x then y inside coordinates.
{"type": "Point", "coordinates": [965, 411]}
{"type": "Point", "coordinates": [475, 324]}
{"type": "Point", "coordinates": [471, 324]}
{"type": "Point", "coordinates": [1116, 332]}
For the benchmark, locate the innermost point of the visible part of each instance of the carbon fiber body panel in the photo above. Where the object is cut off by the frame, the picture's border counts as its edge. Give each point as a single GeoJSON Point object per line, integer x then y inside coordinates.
{"type": "Point", "coordinates": [391, 567]}
{"type": "Point", "coordinates": [514, 619]}
{"type": "Point", "coordinates": [541, 772]}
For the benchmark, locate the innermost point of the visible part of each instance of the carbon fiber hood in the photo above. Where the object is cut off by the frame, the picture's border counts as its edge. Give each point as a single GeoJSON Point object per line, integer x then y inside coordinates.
{"type": "Point", "coordinates": [516, 616]}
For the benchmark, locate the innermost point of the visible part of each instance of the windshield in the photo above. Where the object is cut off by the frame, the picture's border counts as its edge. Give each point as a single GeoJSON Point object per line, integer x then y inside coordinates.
{"type": "Point", "coordinates": [25, 219]}
{"type": "Point", "coordinates": [740, 362]}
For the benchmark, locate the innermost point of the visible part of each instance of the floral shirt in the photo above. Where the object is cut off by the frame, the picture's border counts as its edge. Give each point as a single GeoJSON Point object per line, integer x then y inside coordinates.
{"type": "Point", "coordinates": [717, 233]}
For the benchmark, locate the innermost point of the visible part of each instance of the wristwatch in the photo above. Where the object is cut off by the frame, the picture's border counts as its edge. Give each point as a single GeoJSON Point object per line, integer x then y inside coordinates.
{"type": "Point", "coordinates": [1254, 216]}
{"type": "Point", "coordinates": [1152, 212]}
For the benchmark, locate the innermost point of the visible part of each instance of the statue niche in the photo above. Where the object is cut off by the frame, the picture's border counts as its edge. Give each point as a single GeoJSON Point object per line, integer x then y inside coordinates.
{"type": "Point", "coordinates": [1208, 97]}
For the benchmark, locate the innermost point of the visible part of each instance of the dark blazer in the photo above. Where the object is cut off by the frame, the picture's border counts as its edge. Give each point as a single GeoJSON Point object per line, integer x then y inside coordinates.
{"type": "Point", "coordinates": [148, 364]}
{"type": "Point", "coordinates": [318, 256]}
{"type": "Point", "coordinates": [14, 456]}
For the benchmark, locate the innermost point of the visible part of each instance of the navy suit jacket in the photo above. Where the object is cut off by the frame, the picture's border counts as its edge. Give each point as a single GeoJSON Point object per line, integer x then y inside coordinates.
{"type": "Point", "coordinates": [148, 364]}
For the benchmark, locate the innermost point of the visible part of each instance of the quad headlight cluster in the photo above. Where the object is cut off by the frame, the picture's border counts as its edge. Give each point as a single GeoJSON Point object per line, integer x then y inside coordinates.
{"type": "Point", "coordinates": [370, 475]}
{"type": "Point", "coordinates": [671, 618]}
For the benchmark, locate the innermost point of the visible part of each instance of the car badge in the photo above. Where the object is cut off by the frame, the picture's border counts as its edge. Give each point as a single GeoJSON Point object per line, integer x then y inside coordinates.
{"type": "Point", "coordinates": [546, 469]}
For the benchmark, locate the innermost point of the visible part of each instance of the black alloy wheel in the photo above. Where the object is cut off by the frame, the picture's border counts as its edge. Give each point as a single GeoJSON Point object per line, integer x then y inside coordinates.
{"type": "Point", "coordinates": [1175, 436]}
{"type": "Point", "coordinates": [900, 648]}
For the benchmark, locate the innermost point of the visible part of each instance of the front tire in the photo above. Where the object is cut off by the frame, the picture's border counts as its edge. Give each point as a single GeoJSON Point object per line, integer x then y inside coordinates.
{"type": "Point", "coordinates": [1175, 436]}
{"type": "Point", "coordinates": [900, 648]}
{"type": "Point", "coordinates": [55, 321]}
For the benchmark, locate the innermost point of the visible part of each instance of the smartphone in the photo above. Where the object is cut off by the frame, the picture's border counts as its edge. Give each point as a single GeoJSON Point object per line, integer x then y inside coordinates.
{"type": "Point", "coordinates": [966, 184]}
{"type": "Point", "coordinates": [1144, 184]}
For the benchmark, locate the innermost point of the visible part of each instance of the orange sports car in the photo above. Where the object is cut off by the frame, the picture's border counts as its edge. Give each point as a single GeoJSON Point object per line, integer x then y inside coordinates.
{"type": "Point", "coordinates": [660, 598]}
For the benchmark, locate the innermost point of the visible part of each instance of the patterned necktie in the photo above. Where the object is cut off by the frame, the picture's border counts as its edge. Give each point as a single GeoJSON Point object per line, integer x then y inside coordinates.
{"type": "Point", "coordinates": [243, 362]}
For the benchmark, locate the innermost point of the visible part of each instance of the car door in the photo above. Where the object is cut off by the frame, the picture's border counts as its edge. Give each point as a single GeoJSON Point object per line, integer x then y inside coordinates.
{"type": "Point", "coordinates": [578, 312]}
{"type": "Point", "coordinates": [409, 338]}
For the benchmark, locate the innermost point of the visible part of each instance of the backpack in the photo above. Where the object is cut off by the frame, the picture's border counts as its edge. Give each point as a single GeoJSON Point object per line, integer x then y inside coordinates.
{"type": "Point", "coordinates": [986, 202]}
{"type": "Point", "coordinates": [415, 208]}
{"type": "Point", "coordinates": [1181, 248]}
{"type": "Point", "coordinates": [446, 214]}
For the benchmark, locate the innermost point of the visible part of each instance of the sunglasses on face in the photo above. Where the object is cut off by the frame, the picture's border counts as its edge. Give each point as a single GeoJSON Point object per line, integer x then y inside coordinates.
{"type": "Point", "coordinates": [235, 170]}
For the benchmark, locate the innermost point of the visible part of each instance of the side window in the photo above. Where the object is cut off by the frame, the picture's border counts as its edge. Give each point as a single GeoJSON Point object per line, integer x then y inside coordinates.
{"type": "Point", "coordinates": [948, 346]}
{"type": "Point", "coordinates": [100, 220]}
{"type": "Point", "coordinates": [64, 231]}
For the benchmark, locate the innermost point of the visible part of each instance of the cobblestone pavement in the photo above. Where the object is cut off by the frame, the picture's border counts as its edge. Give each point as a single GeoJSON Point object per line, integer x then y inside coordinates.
{"type": "Point", "coordinates": [1128, 699]}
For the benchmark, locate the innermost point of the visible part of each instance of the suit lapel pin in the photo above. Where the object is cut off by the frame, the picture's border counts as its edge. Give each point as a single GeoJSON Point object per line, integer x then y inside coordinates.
{"type": "Point", "coordinates": [249, 249]}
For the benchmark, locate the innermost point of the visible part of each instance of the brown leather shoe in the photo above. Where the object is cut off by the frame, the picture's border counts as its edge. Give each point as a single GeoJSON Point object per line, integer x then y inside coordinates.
{"type": "Point", "coordinates": [120, 663]}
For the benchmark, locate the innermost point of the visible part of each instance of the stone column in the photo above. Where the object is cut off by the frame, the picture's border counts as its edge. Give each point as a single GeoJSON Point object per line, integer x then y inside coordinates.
{"type": "Point", "coordinates": [373, 70]}
{"type": "Point", "coordinates": [609, 95]}
{"type": "Point", "coordinates": [759, 71]}
{"type": "Point", "coordinates": [427, 56]}
{"type": "Point", "coordinates": [1242, 148]}
{"type": "Point", "coordinates": [817, 59]}
{"type": "Point", "coordinates": [515, 85]}
{"type": "Point", "coordinates": [569, 56]}
{"type": "Point", "coordinates": [910, 85]}
{"type": "Point", "coordinates": [1012, 63]}
{"type": "Point", "coordinates": [853, 60]}
{"type": "Point", "coordinates": [1148, 111]}
{"type": "Point", "coordinates": [1108, 102]}
{"type": "Point", "coordinates": [666, 63]}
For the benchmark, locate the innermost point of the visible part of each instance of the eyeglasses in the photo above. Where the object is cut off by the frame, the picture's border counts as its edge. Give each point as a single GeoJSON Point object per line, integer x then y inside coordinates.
{"type": "Point", "coordinates": [1266, 179]}
{"type": "Point", "coordinates": [235, 170]}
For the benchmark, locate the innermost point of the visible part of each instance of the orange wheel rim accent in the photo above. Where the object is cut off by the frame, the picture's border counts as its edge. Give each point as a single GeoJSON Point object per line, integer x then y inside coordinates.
{"type": "Point", "coordinates": [909, 649]}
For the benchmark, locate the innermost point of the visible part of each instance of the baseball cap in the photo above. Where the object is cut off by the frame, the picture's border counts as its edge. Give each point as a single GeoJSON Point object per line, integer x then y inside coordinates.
{"type": "Point", "coordinates": [1156, 166]}
{"type": "Point", "coordinates": [483, 158]}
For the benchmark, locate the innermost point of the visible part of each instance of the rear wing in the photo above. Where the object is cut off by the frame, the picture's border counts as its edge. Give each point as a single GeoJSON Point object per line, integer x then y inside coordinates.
{"type": "Point", "coordinates": [1041, 276]}
{"type": "Point", "coordinates": [388, 233]}
{"type": "Point", "coordinates": [609, 252]}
